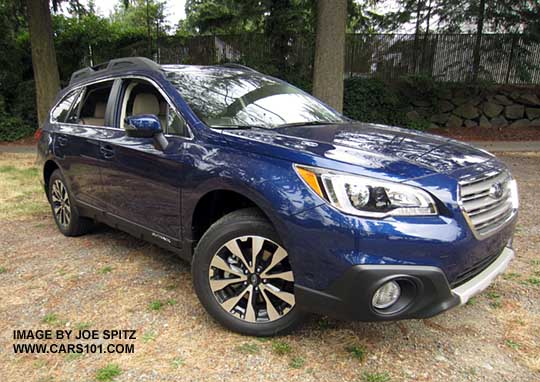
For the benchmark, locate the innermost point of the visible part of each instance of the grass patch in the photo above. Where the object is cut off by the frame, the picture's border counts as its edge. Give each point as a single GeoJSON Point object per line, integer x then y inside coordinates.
{"type": "Point", "coordinates": [40, 363]}
{"type": "Point", "coordinates": [357, 351]}
{"type": "Point", "coordinates": [177, 362]}
{"type": "Point", "coordinates": [149, 336]}
{"type": "Point", "coordinates": [375, 377]}
{"type": "Point", "coordinates": [495, 299]}
{"type": "Point", "coordinates": [297, 362]}
{"type": "Point", "coordinates": [50, 318]}
{"type": "Point", "coordinates": [21, 193]}
{"type": "Point", "coordinates": [108, 373]}
{"type": "Point", "coordinates": [155, 305]}
{"type": "Point", "coordinates": [472, 301]}
{"type": "Point", "coordinates": [106, 269]}
{"type": "Point", "coordinates": [47, 378]}
{"type": "Point", "coordinates": [324, 324]}
{"type": "Point", "coordinates": [512, 344]}
{"type": "Point", "coordinates": [73, 356]}
{"type": "Point", "coordinates": [493, 295]}
{"type": "Point", "coordinates": [82, 325]}
{"type": "Point", "coordinates": [511, 276]}
{"type": "Point", "coordinates": [3, 270]}
{"type": "Point", "coordinates": [534, 280]}
{"type": "Point", "coordinates": [248, 348]}
{"type": "Point", "coordinates": [281, 347]}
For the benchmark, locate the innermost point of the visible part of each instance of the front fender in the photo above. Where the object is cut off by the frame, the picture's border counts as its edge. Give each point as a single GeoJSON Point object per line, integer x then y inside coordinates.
{"type": "Point", "coordinates": [270, 183]}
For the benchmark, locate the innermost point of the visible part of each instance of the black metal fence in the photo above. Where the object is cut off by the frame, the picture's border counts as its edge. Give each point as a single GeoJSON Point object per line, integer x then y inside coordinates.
{"type": "Point", "coordinates": [504, 58]}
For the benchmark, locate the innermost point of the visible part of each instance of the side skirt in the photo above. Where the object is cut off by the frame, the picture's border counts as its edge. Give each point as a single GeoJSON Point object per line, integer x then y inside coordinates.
{"type": "Point", "coordinates": [134, 229]}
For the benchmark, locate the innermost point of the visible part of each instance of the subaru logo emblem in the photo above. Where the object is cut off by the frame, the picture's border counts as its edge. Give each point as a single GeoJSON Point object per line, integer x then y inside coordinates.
{"type": "Point", "coordinates": [496, 191]}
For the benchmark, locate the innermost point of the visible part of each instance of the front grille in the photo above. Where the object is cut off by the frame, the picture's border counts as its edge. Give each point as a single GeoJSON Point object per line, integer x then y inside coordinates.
{"type": "Point", "coordinates": [488, 201]}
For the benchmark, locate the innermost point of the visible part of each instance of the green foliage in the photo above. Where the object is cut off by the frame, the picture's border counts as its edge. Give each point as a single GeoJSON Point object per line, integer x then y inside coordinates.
{"type": "Point", "coordinates": [420, 124]}
{"type": "Point", "coordinates": [357, 351]}
{"type": "Point", "coordinates": [376, 101]}
{"type": "Point", "coordinates": [512, 344]}
{"type": "Point", "coordinates": [50, 318]}
{"type": "Point", "coordinates": [273, 17]}
{"type": "Point", "coordinates": [23, 103]}
{"type": "Point", "coordinates": [106, 269]}
{"type": "Point", "coordinates": [108, 373]}
{"type": "Point", "coordinates": [375, 377]}
{"type": "Point", "coordinates": [297, 362]}
{"type": "Point", "coordinates": [149, 336]}
{"type": "Point", "coordinates": [372, 100]}
{"type": "Point", "coordinates": [155, 305]}
{"type": "Point", "coordinates": [248, 348]}
{"type": "Point", "coordinates": [17, 106]}
{"type": "Point", "coordinates": [281, 347]}
{"type": "Point", "coordinates": [13, 128]}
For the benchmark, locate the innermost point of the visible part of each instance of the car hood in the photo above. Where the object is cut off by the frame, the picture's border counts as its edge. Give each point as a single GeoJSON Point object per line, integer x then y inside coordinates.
{"type": "Point", "coordinates": [406, 152]}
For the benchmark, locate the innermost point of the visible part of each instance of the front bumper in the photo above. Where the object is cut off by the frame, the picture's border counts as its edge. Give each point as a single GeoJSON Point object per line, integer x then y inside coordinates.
{"type": "Point", "coordinates": [485, 278]}
{"type": "Point", "coordinates": [426, 291]}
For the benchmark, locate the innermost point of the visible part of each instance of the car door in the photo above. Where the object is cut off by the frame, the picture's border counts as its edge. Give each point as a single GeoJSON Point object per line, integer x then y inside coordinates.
{"type": "Point", "coordinates": [143, 183]}
{"type": "Point", "coordinates": [76, 142]}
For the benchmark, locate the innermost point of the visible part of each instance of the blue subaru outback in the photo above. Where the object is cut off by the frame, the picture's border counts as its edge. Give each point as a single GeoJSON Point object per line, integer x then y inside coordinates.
{"type": "Point", "coordinates": [282, 205]}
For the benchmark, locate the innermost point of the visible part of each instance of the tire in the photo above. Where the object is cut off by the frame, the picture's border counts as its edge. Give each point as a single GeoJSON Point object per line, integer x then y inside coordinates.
{"type": "Point", "coordinates": [65, 212]}
{"type": "Point", "coordinates": [227, 299]}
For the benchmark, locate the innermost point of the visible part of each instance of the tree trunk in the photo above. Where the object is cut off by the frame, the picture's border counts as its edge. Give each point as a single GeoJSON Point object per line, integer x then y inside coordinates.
{"type": "Point", "coordinates": [330, 52]}
{"type": "Point", "coordinates": [44, 63]}
{"type": "Point", "coordinates": [478, 42]}
{"type": "Point", "coordinates": [425, 43]}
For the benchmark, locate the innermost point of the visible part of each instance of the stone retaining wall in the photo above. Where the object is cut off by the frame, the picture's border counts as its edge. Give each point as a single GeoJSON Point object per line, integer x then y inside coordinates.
{"type": "Point", "coordinates": [467, 106]}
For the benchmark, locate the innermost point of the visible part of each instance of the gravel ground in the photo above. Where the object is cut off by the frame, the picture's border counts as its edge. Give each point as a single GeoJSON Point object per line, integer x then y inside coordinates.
{"type": "Point", "coordinates": [109, 280]}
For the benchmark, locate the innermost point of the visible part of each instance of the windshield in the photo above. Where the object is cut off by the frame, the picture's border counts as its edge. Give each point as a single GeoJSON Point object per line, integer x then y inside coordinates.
{"type": "Point", "coordinates": [227, 98]}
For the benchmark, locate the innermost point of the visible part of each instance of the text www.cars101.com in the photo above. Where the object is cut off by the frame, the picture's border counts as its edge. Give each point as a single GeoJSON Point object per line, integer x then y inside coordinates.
{"type": "Point", "coordinates": [73, 348]}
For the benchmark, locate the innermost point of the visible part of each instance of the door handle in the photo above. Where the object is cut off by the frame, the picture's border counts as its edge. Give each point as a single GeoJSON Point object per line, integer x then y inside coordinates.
{"type": "Point", "coordinates": [107, 151]}
{"type": "Point", "coordinates": [62, 141]}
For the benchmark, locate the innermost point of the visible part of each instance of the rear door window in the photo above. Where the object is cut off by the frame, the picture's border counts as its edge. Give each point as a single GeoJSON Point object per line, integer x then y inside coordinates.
{"type": "Point", "coordinates": [92, 109]}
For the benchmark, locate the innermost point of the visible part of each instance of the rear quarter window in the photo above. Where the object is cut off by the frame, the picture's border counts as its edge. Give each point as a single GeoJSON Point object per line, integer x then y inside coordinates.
{"type": "Point", "coordinates": [61, 110]}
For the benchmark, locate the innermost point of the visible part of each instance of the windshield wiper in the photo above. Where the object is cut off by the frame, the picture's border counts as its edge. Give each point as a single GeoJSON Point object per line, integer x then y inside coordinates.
{"type": "Point", "coordinates": [309, 123]}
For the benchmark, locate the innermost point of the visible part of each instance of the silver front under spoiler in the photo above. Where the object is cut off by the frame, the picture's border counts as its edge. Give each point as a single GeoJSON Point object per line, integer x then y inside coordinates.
{"type": "Point", "coordinates": [481, 281]}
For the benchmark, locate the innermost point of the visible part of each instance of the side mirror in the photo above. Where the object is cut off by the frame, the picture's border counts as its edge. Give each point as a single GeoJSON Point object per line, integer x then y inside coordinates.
{"type": "Point", "coordinates": [146, 126]}
{"type": "Point", "coordinates": [143, 126]}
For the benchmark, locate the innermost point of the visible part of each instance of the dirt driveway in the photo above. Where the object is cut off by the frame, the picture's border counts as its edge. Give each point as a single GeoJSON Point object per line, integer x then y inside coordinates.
{"type": "Point", "coordinates": [109, 280]}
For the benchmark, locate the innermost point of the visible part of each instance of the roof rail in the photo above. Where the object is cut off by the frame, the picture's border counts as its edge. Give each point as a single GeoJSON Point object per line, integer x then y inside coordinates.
{"type": "Point", "coordinates": [115, 64]}
{"type": "Point", "coordinates": [238, 66]}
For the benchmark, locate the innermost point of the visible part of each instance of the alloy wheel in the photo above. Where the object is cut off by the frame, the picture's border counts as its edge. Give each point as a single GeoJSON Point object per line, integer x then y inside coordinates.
{"type": "Point", "coordinates": [251, 278]}
{"type": "Point", "coordinates": [61, 203]}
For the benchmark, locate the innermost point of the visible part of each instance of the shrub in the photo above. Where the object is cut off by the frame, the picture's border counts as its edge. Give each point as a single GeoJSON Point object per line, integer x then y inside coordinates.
{"type": "Point", "coordinates": [13, 128]}
{"type": "Point", "coordinates": [23, 104]}
{"type": "Point", "coordinates": [372, 100]}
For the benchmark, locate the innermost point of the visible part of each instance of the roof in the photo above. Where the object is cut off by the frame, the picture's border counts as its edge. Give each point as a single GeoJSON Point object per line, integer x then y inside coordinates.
{"type": "Point", "coordinates": [131, 63]}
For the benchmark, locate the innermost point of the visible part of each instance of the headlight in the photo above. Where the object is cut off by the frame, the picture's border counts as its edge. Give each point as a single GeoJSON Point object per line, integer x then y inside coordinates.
{"type": "Point", "coordinates": [363, 196]}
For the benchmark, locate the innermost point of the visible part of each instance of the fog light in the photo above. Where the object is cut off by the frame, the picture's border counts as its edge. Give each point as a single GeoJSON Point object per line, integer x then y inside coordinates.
{"type": "Point", "coordinates": [387, 295]}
